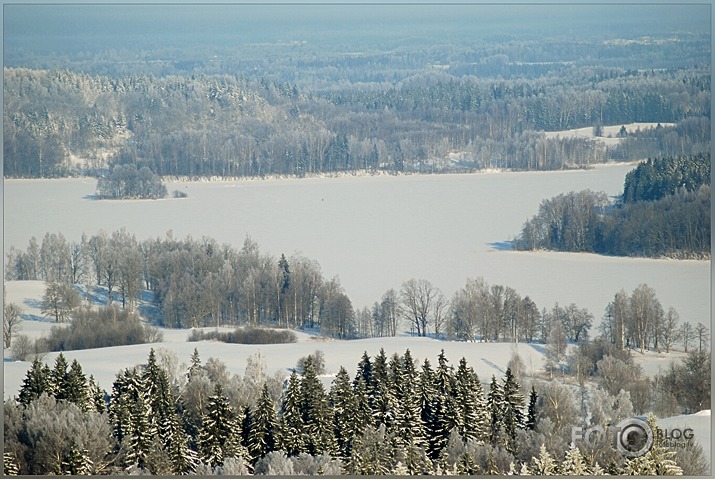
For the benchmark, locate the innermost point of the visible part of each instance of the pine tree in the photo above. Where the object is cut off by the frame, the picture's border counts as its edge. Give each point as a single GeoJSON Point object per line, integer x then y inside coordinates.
{"type": "Point", "coordinates": [220, 434]}
{"type": "Point", "coordinates": [261, 437]}
{"type": "Point", "coordinates": [36, 382]}
{"type": "Point", "coordinates": [292, 435]}
{"type": "Point", "coordinates": [409, 427]}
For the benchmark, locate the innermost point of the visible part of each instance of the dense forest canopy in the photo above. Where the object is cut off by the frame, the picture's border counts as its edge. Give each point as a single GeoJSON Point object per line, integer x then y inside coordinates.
{"type": "Point", "coordinates": [664, 211]}
{"type": "Point", "coordinates": [295, 90]}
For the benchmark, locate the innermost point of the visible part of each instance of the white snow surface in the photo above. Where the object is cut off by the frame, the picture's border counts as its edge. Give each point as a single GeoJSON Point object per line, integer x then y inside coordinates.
{"type": "Point", "coordinates": [699, 422]}
{"type": "Point", "coordinates": [376, 232]}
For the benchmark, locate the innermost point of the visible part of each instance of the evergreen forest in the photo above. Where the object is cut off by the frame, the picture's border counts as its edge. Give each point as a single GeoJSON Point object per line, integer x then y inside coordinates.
{"type": "Point", "coordinates": [393, 416]}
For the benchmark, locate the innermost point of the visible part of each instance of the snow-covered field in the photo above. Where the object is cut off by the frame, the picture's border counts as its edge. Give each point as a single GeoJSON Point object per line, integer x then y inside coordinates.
{"type": "Point", "coordinates": [609, 134]}
{"type": "Point", "coordinates": [377, 232]}
{"type": "Point", "coordinates": [487, 359]}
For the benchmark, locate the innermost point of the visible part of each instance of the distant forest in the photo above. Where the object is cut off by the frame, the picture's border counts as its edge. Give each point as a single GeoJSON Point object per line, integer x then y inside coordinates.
{"type": "Point", "coordinates": [664, 211]}
{"type": "Point", "coordinates": [399, 111]}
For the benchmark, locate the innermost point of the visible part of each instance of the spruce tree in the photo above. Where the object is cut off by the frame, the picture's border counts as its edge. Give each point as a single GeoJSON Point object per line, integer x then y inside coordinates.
{"type": "Point", "coordinates": [261, 437]}
{"type": "Point", "coordinates": [36, 382]}
{"type": "Point", "coordinates": [77, 390]}
{"type": "Point", "coordinates": [195, 366]}
{"type": "Point", "coordinates": [343, 405]}
{"type": "Point", "coordinates": [292, 434]}
{"type": "Point", "coordinates": [59, 378]}
{"type": "Point", "coordinates": [76, 461]}
{"type": "Point", "coordinates": [544, 464]}
{"type": "Point", "coordinates": [658, 461]}
{"type": "Point", "coordinates": [220, 433]}
{"type": "Point", "coordinates": [574, 463]}
{"type": "Point", "coordinates": [315, 412]}
{"type": "Point", "coordinates": [96, 396]}
{"type": "Point", "coordinates": [472, 417]}
{"type": "Point", "coordinates": [531, 415]}
{"type": "Point", "coordinates": [379, 392]}
{"type": "Point", "coordinates": [497, 408]}
{"type": "Point", "coordinates": [513, 409]}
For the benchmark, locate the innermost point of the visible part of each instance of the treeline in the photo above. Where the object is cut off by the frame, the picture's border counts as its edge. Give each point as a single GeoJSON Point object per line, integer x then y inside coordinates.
{"type": "Point", "coordinates": [59, 122]}
{"type": "Point", "coordinates": [665, 211]}
{"type": "Point", "coordinates": [201, 283]}
{"type": "Point", "coordinates": [392, 417]}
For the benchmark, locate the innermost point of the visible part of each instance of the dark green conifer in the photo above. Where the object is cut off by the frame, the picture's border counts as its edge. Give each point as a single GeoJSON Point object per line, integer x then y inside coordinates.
{"type": "Point", "coordinates": [36, 382]}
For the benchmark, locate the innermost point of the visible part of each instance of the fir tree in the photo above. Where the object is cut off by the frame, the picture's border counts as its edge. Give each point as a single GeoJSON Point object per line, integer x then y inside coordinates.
{"type": "Point", "coordinates": [261, 437]}
{"type": "Point", "coordinates": [292, 438]}
{"type": "Point", "coordinates": [36, 382]}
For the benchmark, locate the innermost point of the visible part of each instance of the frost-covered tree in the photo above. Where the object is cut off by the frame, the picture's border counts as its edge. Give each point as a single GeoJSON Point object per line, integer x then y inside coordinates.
{"type": "Point", "coordinates": [261, 436]}
{"type": "Point", "coordinates": [658, 461]}
{"type": "Point", "coordinates": [472, 422]}
{"type": "Point", "coordinates": [371, 453]}
{"type": "Point", "coordinates": [315, 412]}
{"type": "Point", "coordinates": [514, 413]}
{"type": "Point", "coordinates": [574, 463]}
{"type": "Point", "coordinates": [59, 300]}
{"type": "Point", "coordinates": [292, 434]}
{"type": "Point", "coordinates": [342, 403]}
{"type": "Point", "coordinates": [544, 464]}
{"type": "Point", "coordinates": [220, 435]}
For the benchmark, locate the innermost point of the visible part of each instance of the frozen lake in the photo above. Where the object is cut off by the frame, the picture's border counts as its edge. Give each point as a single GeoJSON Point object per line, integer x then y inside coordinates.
{"type": "Point", "coordinates": [377, 232]}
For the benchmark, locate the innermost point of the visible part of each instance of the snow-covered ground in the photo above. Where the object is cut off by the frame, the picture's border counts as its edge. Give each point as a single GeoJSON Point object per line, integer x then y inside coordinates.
{"type": "Point", "coordinates": [609, 134]}
{"type": "Point", "coordinates": [487, 359]}
{"type": "Point", "coordinates": [376, 232]}
{"type": "Point", "coordinates": [701, 425]}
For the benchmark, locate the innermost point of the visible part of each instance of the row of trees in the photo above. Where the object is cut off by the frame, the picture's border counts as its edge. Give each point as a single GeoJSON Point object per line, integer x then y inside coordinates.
{"type": "Point", "coordinates": [665, 212]}
{"type": "Point", "coordinates": [201, 283]}
{"type": "Point", "coordinates": [390, 417]}
{"type": "Point", "coordinates": [639, 321]}
{"type": "Point", "coordinates": [237, 126]}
